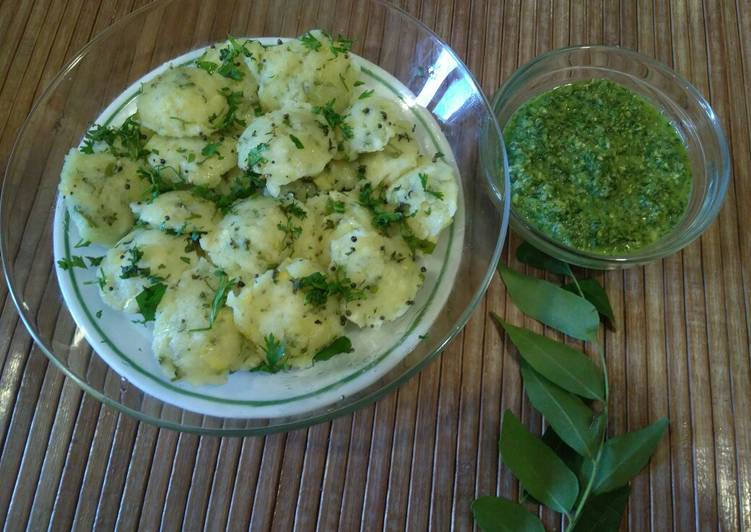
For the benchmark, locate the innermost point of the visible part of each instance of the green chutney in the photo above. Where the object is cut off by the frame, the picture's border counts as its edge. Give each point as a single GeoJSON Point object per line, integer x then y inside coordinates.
{"type": "Point", "coordinates": [597, 167]}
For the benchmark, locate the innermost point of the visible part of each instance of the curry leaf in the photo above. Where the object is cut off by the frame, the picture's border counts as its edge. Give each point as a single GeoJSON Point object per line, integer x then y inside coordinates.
{"type": "Point", "coordinates": [566, 413]}
{"type": "Point", "coordinates": [537, 467]}
{"type": "Point", "coordinates": [595, 294]}
{"type": "Point", "coordinates": [526, 253]}
{"type": "Point", "coordinates": [624, 456]}
{"type": "Point", "coordinates": [571, 458]}
{"type": "Point", "coordinates": [603, 513]}
{"type": "Point", "coordinates": [340, 345]}
{"type": "Point", "coordinates": [496, 514]}
{"type": "Point", "coordinates": [552, 305]}
{"type": "Point", "coordinates": [570, 369]}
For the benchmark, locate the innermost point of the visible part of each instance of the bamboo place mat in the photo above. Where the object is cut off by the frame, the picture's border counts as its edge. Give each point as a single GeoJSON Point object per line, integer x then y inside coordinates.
{"type": "Point", "coordinates": [417, 458]}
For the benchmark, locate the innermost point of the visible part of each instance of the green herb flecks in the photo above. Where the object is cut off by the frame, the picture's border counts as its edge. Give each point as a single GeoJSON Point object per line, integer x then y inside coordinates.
{"type": "Point", "coordinates": [334, 120]}
{"type": "Point", "coordinates": [275, 355]}
{"type": "Point", "coordinates": [333, 206]}
{"type": "Point", "coordinates": [95, 261]}
{"type": "Point", "coordinates": [318, 288]}
{"type": "Point", "coordinates": [230, 119]}
{"type": "Point", "coordinates": [296, 142]}
{"type": "Point", "coordinates": [75, 261]}
{"type": "Point", "coordinates": [131, 269]}
{"type": "Point", "coordinates": [224, 286]}
{"type": "Point", "coordinates": [230, 57]}
{"type": "Point", "coordinates": [254, 156]}
{"type": "Point", "coordinates": [310, 42]}
{"type": "Point", "coordinates": [374, 200]}
{"type": "Point", "coordinates": [126, 140]}
{"type": "Point", "coordinates": [424, 181]}
{"type": "Point", "coordinates": [340, 45]}
{"type": "Point", "coordinates": [366, 94]}
{"type": "Point", "coordinates": [291, 231]}
{"type": "Point", "coordinates": [211, 149]}
{"type": "Point", "coordinates": [244, 186]}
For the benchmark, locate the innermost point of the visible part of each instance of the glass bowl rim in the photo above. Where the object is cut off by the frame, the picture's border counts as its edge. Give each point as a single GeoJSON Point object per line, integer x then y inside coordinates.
{"type": "Point", "coordinates": [603, 261]}
{"type": "Point", "coordinates": [321, 417]}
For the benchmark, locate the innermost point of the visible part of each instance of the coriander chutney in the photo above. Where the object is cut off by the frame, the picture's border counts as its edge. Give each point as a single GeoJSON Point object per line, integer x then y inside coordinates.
{"type": "Point", "coordinates": [597, 167]}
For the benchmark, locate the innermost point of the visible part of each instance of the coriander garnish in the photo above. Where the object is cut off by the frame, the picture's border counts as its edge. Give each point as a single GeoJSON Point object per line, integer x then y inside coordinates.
{"type": "Point", "coordinates": [148, 300]}
{"type": "Point", "coordinates": [220, 298]}
{"type": "Point", "coordinates": [276, 355]}
{"type": "Point", "coordinates": [296, 142]}
{"type": "Point", "coordinates": [424, 180]}
{"type": "Point", "coordinates": [318, 288]}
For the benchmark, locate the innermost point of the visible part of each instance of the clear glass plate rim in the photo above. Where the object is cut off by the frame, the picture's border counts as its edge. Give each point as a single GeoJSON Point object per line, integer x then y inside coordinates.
{"type": "Point", "coordinates": [296, 423]}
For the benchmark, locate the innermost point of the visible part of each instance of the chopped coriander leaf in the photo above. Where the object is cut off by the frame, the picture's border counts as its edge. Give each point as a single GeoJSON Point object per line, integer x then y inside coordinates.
{"type": "Point", "coordinates": [220, 298]}
{"type": "Point", "coordinates": [275, 355]}
{"type": "Point", "coordinates": [245, 187]}
{"type": "Point", "coordinates": [98, 314]}
{"type": "Point", "coordinates": [414, 243]}
{"type": "Point", "coordinates": [334, 206]}
{"type": "Point", "coordinates": [228, 55]}
{"type": "Point", "coordinates": [309, 41]}
{"type": "Point", "coordinates": [230, 118]}
{"type": "Point", "coordinates": [344, 82]}
{"type": "Point", "coordinates": [211, 149]}
{"type": "Point", "coordinates": [148, 300]}
{"type": "Point", "coordinates": [438, 155]}
{"type": "Point", "coordinates": [334, 119]}
{"type": "Point", "coordinates": [192, 244]}
{"type": "Point", "coordinates": [374, 201]}
{"type": "Point", "coordinates": [291, 232]}
{"type": "Point", "coordinates": [318, 288]}
{"type": "Point", "coordinates": [383, 219]}
{"type": "Point", "coordinates": [293, 209]}
{"type": "Point", "coordinates": [101, 280]}
{"type": "Point", "coordinates": [296, 142]}
{"type": "Point", "coordinates": [132, 269]}
{"type": "Point", "coordinates": [82, 243]}
{"type": "Point", "coordinates": [160, 185]}
{"type": "Point", "coordinates": [366, 94]}
{"type": "Point", "coordinates": [427, 189]}
{"type": "Point", "coordinates": [186, 260]}
{"type": "Point", "coordinates": [95, 261]}
{"type": "Point", "coordinates": [361, 172]}
{"type": "Point", "coordinates": [341, 344]}
{"type": "Point", "coordinates": [75, 261]}
{"type": "Point", "coordinates": [230, 70]}
{"type": "Point", "coordinates": [124, 141]}
{"type": "Point", "coordinates": [208, 66]}
{"type": "Point", "coordinates": [340, 46]}
{"type": "Point", "coordinates": [255, 157]}
{"type": "Point", "coordinates": [359, 82]}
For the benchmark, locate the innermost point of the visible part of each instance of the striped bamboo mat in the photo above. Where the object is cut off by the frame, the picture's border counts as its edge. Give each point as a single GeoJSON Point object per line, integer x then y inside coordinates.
{"type": "Point", "coordinates": [418, 457]}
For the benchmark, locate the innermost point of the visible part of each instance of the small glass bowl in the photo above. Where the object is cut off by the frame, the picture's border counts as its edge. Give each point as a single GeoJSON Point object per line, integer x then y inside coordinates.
{"type": "Point", "coordinates": [676, 98]}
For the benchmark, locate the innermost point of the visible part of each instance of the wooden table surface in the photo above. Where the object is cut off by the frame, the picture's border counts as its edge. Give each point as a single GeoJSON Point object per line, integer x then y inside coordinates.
{"type": "Point", "coordinates": [418, 457]}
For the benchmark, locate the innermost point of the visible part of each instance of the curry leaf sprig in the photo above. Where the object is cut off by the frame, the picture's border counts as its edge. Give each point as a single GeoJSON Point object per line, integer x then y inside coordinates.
{"type": "Point", "coordinates": [574, 468]}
